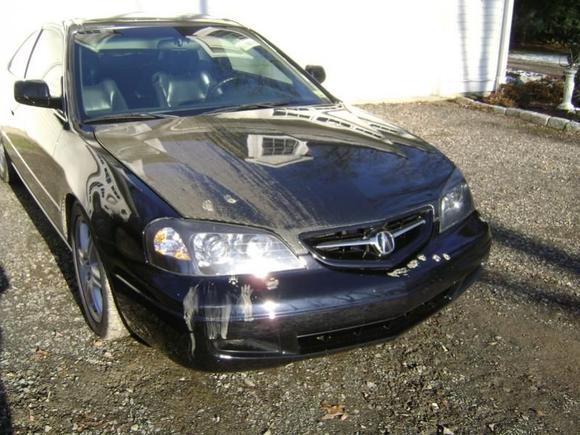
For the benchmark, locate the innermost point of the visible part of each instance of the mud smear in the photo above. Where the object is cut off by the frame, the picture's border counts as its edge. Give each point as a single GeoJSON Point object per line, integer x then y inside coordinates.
{"type": "Point", "coordinates": [218, 306]}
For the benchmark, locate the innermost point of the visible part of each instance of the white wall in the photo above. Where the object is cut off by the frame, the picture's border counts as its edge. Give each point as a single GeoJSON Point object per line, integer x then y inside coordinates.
{"type": "Point", "coordinates": [371, 50]}
{"type": "Point", "coordinates": [379, 50]}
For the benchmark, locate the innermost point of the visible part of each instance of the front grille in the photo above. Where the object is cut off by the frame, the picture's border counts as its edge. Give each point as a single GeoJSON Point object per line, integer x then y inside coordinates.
{"type": "Point", "coordinates": [358, 246]}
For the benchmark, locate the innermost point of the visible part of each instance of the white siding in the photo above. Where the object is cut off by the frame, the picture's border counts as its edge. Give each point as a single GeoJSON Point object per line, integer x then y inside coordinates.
{"type": "Point", "coordinates": [394, 49]}
{"type": "Point", "coordinates": [371, 50]}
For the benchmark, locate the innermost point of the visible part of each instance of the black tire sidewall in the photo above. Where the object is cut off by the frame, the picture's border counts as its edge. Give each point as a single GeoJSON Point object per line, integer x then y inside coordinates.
{"type": "Point", "coordinates": [100, 328]}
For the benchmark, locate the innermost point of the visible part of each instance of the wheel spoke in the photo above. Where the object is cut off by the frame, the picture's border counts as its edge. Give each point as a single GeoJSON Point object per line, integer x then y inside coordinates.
{"type": "Point", "coordinates": [89, 271]}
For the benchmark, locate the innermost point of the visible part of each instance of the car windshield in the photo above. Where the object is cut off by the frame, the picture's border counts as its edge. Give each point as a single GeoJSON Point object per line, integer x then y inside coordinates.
{"type": "Point", "coordinates": [182, 70]}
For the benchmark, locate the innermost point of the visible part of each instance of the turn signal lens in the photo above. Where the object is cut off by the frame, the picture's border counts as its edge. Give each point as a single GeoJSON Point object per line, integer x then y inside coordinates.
{"type": "Point", "coordinates": [168, 242]}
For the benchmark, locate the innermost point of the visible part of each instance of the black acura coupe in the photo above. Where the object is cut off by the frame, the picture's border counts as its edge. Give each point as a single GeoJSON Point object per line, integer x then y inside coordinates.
{"type": "Point", "coordinates": [220, 204]}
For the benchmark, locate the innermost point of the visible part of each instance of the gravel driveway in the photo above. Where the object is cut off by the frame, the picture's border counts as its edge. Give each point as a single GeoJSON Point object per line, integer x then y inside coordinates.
{"type": "Point", "coordinates": [504, 358]}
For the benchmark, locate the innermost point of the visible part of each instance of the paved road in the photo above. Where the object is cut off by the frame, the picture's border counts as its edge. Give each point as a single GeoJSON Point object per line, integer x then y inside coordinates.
{"type": "Point", "coordinates": [503, 358]}
{"type": "Point", "coordinates": [536, 67]}
{"type": "Point", "coordinates": [538, 62]}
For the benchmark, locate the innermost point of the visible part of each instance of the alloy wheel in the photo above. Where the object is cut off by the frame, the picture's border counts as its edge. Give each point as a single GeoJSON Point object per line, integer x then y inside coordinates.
{"type": "Point", "coordinates": [90, 270]}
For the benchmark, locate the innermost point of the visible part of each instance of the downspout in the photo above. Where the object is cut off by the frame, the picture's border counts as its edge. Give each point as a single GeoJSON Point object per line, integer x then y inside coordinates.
{"type": "Point", "coordinates": [504, 45]}
{"type": "Point", "coordinates": [203, 9]}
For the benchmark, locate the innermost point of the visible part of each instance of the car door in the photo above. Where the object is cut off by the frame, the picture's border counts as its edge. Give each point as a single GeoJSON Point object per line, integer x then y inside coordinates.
{"type": "Point", "coordinates": [40, 128]}
{"type": "Point", "coordinates": [12, 133]}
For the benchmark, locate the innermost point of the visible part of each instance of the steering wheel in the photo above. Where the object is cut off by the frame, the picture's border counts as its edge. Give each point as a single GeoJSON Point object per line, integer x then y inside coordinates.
{"type": "Point", "coordinates": [217, 89]}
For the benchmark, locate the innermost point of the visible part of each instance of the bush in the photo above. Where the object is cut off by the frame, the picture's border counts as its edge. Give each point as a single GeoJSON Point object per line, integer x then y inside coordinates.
{"type": "Point", "coordinates": [506, 96]}
{"type": "Point", "coordinates": [544, 92]}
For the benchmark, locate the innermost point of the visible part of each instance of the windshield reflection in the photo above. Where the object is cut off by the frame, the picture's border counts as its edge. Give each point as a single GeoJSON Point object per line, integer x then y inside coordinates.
{"type": "Point", "coordinates": [182, 70]}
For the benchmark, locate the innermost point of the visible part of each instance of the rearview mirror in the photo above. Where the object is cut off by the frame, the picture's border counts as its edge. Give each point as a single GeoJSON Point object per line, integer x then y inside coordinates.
{"type": "Point", "coordinates": [35, 93]}
{"type": "Point", "coordinates": [316, 72]}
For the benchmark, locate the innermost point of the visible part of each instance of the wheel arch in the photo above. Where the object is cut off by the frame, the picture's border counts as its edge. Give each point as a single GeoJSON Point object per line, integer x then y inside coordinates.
{"type": "Point", "coordinates": [69, 201]}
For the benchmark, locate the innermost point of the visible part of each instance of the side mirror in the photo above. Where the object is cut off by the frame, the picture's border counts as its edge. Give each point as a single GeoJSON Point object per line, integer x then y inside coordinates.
{"type": "Point", "coordinates": [316, 72]}
{"type": "Point", "coordinates": [35, 93]}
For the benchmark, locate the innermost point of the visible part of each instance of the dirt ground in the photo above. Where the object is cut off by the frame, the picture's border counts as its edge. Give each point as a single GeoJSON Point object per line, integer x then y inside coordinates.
{"type": "Point", "coordinates": [504, 358]}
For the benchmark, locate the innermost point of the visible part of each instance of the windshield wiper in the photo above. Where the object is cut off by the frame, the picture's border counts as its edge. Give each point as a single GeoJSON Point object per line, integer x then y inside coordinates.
{"type": "Point", "coordinates": [250, 106]}
{"type": "Point", "coordinates": [127, 117]}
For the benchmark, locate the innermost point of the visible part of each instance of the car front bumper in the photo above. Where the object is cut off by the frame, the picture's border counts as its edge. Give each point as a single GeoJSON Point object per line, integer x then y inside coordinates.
{"type": "Point", "coordinates": [246, 322]}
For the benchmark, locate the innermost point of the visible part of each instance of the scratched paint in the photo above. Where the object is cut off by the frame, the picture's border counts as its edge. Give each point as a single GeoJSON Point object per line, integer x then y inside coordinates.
{"type": "Point", "coordinates": [246, 302]}
{"type": "Point", "coordinates": [413, 264]}
{"type": "Point", "coordinates": [217, 307]}
{"type": "Point", "coordinates": [397, 273]}
{"type": "Point", "coordinates": [190, 309]}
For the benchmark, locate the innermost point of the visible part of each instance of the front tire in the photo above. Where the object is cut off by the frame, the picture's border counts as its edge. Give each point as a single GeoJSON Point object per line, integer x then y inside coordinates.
{"type": "Point", "coordinates": [7, 172]}
{"type": "Point", "coordinates": [94, 288]}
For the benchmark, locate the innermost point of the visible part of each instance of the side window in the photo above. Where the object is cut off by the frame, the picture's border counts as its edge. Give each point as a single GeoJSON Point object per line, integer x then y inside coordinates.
{"type": "Point", "coordinates": [46, 61]}
{"type": "Point", "coordinates": [17, 65]}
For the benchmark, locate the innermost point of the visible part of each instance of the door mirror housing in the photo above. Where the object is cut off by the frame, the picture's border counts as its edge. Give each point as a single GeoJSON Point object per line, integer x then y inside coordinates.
{"type": "Point", "coordinates": [35, 93]}
{"type": "Point", "coordinates": [316, 72]}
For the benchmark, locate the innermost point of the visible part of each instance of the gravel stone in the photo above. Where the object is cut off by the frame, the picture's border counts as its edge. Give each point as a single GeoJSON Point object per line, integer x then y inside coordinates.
{"type": "Point", "coordinates": [55, 373]}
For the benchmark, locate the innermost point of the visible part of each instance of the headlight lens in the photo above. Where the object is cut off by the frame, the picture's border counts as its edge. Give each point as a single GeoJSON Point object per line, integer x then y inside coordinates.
{"type": "Point", "coordinates": [207, 249]}
{"type": "Point", "coordinates": [456, 202]}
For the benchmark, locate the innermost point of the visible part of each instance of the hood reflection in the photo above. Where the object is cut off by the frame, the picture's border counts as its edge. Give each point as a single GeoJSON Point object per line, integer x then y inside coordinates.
{"type": "Point", "coordinates": [276, 151]}
{"type": "Point", "coordinates": [288, 170]}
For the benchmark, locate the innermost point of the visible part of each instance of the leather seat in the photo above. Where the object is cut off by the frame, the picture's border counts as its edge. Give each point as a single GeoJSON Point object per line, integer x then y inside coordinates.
{"type": "Point", "coordinates": [100, 95]}
{"type": "Point", "coordinates": [183, 80]}
{"type": "Point", "coordinates": [103, 98]}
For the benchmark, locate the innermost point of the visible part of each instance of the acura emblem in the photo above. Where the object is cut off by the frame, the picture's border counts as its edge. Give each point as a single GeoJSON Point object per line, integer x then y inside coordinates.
{"type": "Point", "coordinates": [384, 243]}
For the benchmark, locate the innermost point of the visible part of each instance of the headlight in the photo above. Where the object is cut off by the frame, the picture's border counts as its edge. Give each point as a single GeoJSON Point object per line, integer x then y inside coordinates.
{"type": "Point", "coordinates": [211, 249]}
{"type": "Point", "coordinates": [455, 203]}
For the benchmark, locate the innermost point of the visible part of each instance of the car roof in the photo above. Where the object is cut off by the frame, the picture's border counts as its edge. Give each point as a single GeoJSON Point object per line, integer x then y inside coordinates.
{"type": "Point", "coordinates": [142, 18]}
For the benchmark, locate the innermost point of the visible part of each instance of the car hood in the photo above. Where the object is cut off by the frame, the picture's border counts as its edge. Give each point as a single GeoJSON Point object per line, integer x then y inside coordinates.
{"type": "Point", "coordinates": [288, 170]}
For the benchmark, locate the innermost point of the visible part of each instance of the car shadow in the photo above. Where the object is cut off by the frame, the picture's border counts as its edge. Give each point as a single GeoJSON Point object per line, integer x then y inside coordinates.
{"type": "Point", "coordinates": [56, 245]}
{"type": "Point", "coordinates": [565, 302]}
{"type": "Point", "coordinates": [534, 291]}
{"type": "Point", "coordinates": [516, 240]}
{"type": "Point", "coordinates": [5, 418]}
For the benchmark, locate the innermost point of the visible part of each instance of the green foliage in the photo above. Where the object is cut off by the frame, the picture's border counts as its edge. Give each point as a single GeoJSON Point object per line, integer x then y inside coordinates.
{"type": "Point", "coordinates": [549, 22]}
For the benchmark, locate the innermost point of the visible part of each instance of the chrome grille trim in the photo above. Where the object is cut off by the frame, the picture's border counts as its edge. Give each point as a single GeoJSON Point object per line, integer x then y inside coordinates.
{"type": "Point", "coordinates": [353, 247]}
{"type": "Point", "coordinates": [370, 241]}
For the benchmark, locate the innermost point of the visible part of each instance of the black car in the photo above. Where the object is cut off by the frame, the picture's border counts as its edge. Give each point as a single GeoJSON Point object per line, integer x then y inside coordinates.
{"type": "Point", "coordinates": [220, 204]}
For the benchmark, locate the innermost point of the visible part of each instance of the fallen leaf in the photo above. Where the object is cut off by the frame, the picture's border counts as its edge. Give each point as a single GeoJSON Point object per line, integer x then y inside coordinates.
{"type": "Point", "coordinates": [98, 343]}
{"type": "Point", "coordinates": [333, 411]}
{"type": "Point", "coordinates": [40, 353]}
